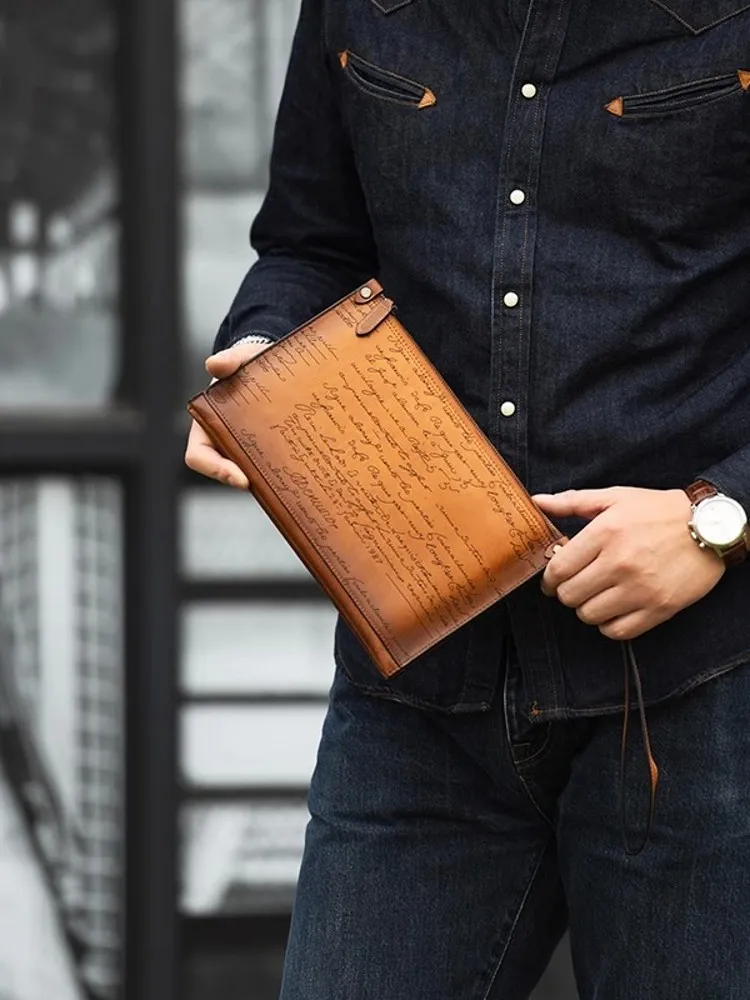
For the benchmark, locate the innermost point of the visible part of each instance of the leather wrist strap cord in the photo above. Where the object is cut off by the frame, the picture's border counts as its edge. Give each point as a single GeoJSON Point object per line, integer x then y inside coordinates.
{"type": "Point", "coordinates": [737, 553]}
{"type": "Point", "coordinates": [631, 667]}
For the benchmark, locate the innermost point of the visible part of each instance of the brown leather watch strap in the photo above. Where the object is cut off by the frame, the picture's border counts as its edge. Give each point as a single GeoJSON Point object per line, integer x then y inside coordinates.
{"type": "Point", "coordinates": [700, 490]}
{"type": "Point", "coordinates": [737, 553]}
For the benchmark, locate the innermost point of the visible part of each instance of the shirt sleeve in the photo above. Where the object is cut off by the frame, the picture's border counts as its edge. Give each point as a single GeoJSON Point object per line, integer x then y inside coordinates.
{"type": "Point", "coordinates": [312, 234]}
{"type": "Point", "coordinates": [732, 476]}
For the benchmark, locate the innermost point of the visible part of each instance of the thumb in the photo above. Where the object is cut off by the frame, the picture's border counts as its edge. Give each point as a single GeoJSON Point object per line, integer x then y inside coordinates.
{"type": "Point", "coordinates": [227, 362]}
{"type": "Point", "coordinates": [576, 503]}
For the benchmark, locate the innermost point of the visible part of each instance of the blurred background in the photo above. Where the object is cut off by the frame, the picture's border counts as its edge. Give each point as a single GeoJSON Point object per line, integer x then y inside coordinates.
{"type": "Point", "coordinates": [164, 658]}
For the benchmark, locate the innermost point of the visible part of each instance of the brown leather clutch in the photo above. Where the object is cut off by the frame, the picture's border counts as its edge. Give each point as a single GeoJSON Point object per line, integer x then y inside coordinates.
{"type": "Point", "coordinates": [378, 477]}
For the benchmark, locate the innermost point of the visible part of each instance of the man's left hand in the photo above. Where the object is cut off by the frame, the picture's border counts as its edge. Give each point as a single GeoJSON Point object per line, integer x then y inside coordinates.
{"type": "Point", "coordinates": [634, 565]}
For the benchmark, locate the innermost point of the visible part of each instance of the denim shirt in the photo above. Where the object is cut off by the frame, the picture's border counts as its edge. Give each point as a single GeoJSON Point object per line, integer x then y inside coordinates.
{"type": "Point", "coordinates": [556, 193]}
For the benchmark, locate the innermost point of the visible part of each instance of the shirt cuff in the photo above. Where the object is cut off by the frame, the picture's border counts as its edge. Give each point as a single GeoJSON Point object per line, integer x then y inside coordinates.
{"type": "Point", "coordinates": [253, 338]}
{"type": "Point", "coordinates": [250, 338]}
{"type": "Point", "coordinates": [233, 332]}
{"type": "Point", "coordinates": [732, 477]}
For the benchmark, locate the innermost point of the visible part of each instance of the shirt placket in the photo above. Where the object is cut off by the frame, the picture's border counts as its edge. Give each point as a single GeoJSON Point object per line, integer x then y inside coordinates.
{"type": "Point", "coordinates": [513, 289]}
{"type": "Point", "coordinates": [516, 227]}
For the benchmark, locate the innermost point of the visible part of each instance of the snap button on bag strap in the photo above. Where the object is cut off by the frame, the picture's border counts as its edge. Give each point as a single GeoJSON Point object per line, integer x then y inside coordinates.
{"type": "Point", "coordinates": [367, 292]}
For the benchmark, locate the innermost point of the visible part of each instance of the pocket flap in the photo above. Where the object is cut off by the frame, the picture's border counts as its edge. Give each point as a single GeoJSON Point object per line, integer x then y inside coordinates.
{"type": "Point", "coordinates": [388, 6]}
{"type": "Point", "coordinates": [700, 15]}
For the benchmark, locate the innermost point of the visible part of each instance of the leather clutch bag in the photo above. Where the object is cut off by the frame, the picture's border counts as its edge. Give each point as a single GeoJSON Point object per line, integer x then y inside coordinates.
{"type": "Point", "coordinates": [377, 476]}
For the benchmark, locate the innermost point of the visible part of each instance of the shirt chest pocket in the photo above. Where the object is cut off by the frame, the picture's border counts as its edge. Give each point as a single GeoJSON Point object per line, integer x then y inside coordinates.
{"type": "Point", "coordinates": [384, 84]}
{"type": "Point", "coordinates": [680, 97]}
{"type": "Point", "coordinates": [672, 160]}
{"type": "Point", "coordinates": [393, 119]}
{"type": "Point", "coordinates": [698, 16]}
{"type": "Point", "coordinates": [388, 6]}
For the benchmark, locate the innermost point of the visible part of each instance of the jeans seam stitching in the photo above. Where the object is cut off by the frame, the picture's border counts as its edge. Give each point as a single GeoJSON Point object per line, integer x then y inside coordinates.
{"type": "Point", "coordinates": [540, 752]}
{"type": "Point", "coordinates": [519, 776]}
{"type": "Point", "coordinates": [511, 932]}
{"type": "Point", "coordinates": [610, 708]}
{"type": "Point", "coordinates": [408, 700]}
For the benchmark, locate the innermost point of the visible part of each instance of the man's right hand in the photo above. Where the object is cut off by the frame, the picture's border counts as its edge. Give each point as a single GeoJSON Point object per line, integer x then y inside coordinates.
{"type": "Point", "coordinates": [200, 454]}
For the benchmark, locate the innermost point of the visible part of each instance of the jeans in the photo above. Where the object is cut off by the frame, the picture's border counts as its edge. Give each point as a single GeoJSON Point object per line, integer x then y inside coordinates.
{"type": "Point", "coordinates": [447, 854]}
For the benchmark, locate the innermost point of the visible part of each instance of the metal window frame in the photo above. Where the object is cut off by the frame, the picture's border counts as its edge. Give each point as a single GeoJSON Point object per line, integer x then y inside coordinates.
{"type": "Point", "coordinates": [150, 375]}
{"type": "Point", "coordinates": [140, 444]}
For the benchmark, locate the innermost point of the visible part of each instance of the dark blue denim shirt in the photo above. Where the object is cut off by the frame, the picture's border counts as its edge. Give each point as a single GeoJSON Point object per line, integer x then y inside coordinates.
{"type": "Point", "coordinates": [557, 195]}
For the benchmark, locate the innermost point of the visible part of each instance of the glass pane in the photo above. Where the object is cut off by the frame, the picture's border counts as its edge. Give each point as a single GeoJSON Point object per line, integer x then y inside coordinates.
{"type": "Point", "coordinates": [269, 746]}
{"type": "Point", "coordinates": [234, 56]}
{"type": "Point", "coordinates": [224, 970]}
{"type": "Point", "coordinates": [241, 857]}
{"type": "Point", "coordinates": [58, 202]}
{"type": "Point", "coordinates": [60, 737]}
{"type": "Point", "coordinates": [33, 933]}
{"type": "Point", "coordinates": [226, 535]}
{"type": "Point", "coordinates": [257, 648]}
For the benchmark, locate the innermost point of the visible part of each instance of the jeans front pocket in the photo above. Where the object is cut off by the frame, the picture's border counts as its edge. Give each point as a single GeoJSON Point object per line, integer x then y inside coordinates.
{"type": "Point", "coordinates": [700, 15]}
{"type": "Point", "coordinates": [458, 675]}
{"type": "Point", "coordinates": [383, 84]}
{"type": "Point", "coordinates": [680, 97]}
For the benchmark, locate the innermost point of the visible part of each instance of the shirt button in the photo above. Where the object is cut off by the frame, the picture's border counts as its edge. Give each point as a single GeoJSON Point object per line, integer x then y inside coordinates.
{"type": "Point", "coordinates": [517, 197]}
{"type": "Point", "coordinates": [510, 299]}
{"type": "Point", "coordinates": [528, 90]}
{"type": "Point", "coordinates": [508, 408]}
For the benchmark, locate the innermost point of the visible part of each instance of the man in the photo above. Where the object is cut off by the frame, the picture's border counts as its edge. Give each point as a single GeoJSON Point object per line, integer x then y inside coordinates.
{"type": "Point", "coordinates": [556, 194]}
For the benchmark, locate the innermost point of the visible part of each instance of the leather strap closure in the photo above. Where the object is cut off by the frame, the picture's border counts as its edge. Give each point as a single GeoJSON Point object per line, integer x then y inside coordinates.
{"type": "Point", "coordinates": [380, 311]}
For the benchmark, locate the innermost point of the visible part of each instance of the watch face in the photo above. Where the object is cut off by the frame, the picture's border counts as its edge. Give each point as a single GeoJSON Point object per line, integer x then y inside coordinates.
{"type": "Point", "coordinates": [719, 521]}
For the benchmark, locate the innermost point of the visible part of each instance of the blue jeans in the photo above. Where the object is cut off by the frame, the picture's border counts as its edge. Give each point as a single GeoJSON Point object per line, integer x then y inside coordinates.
{"type": "Point", "coordinates": [447, 854]}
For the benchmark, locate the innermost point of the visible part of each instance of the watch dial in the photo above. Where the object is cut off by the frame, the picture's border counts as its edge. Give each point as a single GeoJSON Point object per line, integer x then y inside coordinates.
{"type": "Point", "coordinates": [720, 521]}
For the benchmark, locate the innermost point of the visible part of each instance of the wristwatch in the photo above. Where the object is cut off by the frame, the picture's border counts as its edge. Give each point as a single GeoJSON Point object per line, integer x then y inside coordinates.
{"type": "Point", "coordinates": [718, 523]}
